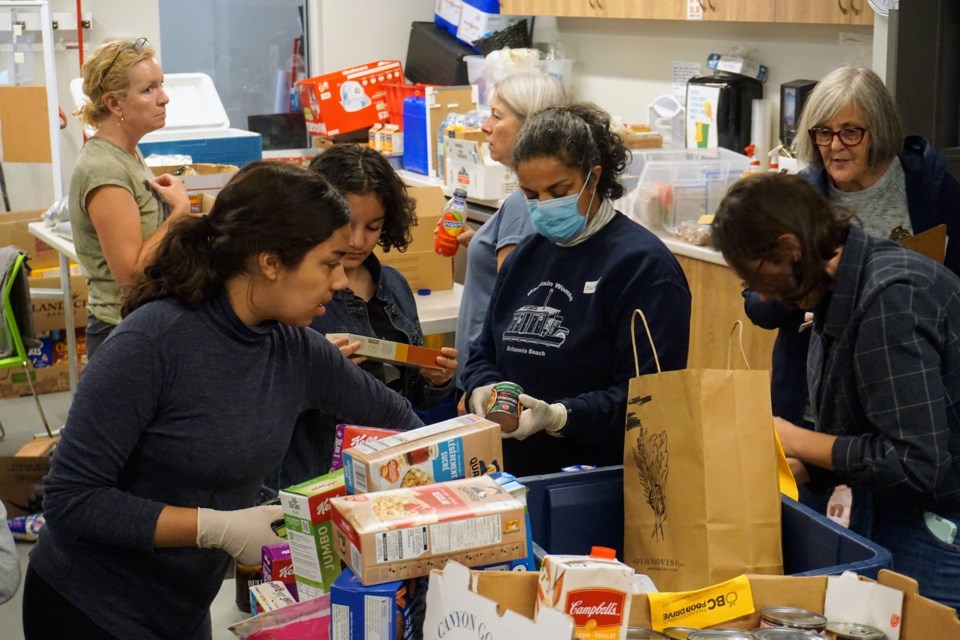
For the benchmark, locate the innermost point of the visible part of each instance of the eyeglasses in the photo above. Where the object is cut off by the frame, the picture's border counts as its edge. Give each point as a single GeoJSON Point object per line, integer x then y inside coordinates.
{"type": "Point", "coordinates": [137, 46]}
{"type": "Point", "coordinates": [849, 136]}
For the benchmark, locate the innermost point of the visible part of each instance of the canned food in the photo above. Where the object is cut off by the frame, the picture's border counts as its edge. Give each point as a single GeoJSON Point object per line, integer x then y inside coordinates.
{"type": "Point", "coordinates": [853, 631]}
{"type": "Point", "coordinates": [716, 634]}
{"type": "Point", "coordinates": [247, 575]}
{"type": "Point", "coordinates": [792, 617]}
{"type": "Point", "coordinates": [679, 633]}
{"type": "Point", "coordinates": [504, 405]}
{"type": "Point", "coordinates": [640, 633]}
{"type": "Point", "coordinates": [786, 633]}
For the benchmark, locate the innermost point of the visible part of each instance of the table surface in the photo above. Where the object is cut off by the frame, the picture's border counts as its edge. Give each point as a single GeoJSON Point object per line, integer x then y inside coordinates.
{"type": "Point", "coordinates": [437, 311]}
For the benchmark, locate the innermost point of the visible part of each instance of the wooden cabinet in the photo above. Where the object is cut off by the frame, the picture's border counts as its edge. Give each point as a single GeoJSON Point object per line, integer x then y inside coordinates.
{"type": "Point", "coordinates": [824, 11]}
{"type": "Point", "coordinates": [560, 8]}
{"type": "Point", "coordinates": [741, 10]}
{"type": "Point", "coordinates": [643, 9]}
{"type": "Point", "coordinates": [717, 304]}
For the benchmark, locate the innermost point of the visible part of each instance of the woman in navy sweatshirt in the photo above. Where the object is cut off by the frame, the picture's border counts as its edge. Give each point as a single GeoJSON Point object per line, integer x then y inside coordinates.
{"type": "Point", "coordinates": [189, 403]}
{"type": "Point", "coordinates": [558, 323]}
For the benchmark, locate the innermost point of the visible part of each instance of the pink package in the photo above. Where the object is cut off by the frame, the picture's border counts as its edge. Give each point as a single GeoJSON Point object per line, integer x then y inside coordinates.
{"type": "Point", "coordinates": [349, 436]}
{"type": "Point", "coordinates": [307, 620]}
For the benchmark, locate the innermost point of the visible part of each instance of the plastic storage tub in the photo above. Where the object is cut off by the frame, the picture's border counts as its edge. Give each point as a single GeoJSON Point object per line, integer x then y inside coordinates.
{"type": "Point", "coordinates": [682, 185]}
{"type": "Point", "coordinates": [572, 511]}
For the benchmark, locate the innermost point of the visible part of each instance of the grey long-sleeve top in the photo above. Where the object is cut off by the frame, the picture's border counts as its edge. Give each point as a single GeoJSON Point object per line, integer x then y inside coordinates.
{"type": "Point", "coordinates": [184, 408]}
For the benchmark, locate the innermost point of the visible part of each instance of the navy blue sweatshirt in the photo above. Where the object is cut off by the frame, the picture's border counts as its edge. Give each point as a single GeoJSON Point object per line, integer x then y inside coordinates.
{"type": "Point", "coordinates": [190, 409]}
{"type": "Point", "coordinates": [558, 325]}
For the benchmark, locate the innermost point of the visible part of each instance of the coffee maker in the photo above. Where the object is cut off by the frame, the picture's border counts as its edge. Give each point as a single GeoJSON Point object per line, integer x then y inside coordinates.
{"type": "Point", "coordinates": [793, 95]}
{"type": "Point", "coordinates": [719, 110]}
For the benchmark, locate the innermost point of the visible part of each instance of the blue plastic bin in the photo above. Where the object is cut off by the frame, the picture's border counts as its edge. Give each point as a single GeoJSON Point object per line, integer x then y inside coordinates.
{"type": "Point", "coordinates": [570, 512]}
{"type": "Point", "coordinates": [415, 141]}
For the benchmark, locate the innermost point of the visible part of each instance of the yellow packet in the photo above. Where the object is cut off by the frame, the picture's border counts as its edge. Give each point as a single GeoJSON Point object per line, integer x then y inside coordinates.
{"type": "Point", "coordinates": [703, 608]}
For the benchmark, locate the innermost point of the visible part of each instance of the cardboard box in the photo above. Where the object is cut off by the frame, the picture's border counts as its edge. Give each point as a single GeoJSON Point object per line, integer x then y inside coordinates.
{"type": "Point", "coordinates": [422, 269]}
{"type": "Point", "coordinates": [470, 167]}
{"type": "Point", "coordinates": [13, 230]}
{"type": "Point", "coordinates": [461, 447]}
{"type": "Point", "coordinates": [388, 351]}
{"type": "Point", "coordinates": [48, 314]}
{"type": "Point", "coordinates": [277, 564]}
{"type": "Point", "coordinates": [923, 619]}
{"type": "Point", "coordinates": [21, 476]}
{"type": "Point", "coordinates": [269, 596]}
{"type": "Point", "coordinates": [306, 513]}
{"type": "Point", "coordinates": [349, 99]}
{"type": "Point", "coordinates": [388, 611]}
{"type": "Point", "coordinates": [406, 533]}
{"type": "Point", "coordinates": [349, 436]}
{"type": "Point", "coordinates": [13, 381]}
{"type": "Point", "coordinates": [205, 177]}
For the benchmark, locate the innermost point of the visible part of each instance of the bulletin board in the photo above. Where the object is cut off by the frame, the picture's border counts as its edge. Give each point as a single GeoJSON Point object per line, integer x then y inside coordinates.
{"type": "Point", "coordinates": [24, 124]}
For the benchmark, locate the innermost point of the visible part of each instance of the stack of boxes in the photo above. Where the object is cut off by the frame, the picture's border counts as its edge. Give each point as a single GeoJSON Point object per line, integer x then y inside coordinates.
{"type": "Point", "coordinates": [420, 264]}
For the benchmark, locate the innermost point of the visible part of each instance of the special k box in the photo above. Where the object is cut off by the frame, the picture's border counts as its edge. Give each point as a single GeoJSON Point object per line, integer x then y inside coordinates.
{"type": "Point", "coordinates": [348, 436]}
{"type": "Point", "coordinates": [461, 447]}
{"type": "Point", "coordinates": [349, 99]}
{"type": "Point", "coordinates": [277, 564]}
{"type": "Point", "coordinates": [306, 514]}
{"type": "Point", "coordinates": [405, 533]}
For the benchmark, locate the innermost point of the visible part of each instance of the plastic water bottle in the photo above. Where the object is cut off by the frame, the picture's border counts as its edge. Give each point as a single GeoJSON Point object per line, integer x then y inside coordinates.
{"type": "Point", "coordinates": [451, 225]}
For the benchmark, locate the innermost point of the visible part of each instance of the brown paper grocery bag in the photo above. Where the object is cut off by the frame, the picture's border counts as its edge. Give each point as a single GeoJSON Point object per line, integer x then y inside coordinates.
{"type": "Point", "coordinates": [701, 497]}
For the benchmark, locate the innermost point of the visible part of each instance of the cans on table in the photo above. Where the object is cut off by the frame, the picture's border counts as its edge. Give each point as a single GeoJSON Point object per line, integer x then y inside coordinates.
{"type": "Point", "coordinates": [721, 634]}
{"type": "Point", "coordinates": [504, 405]}
{"type": "Point", "coordinates": [793, 618]}
{"type": "Point", "coordinates": [641, 633]}
{"type": "Point", "coordinates": [853, 631]}
{"type": "Point", "coordinates": [679, 633]}
{"type": "Point", "coordinates": [786, 633]}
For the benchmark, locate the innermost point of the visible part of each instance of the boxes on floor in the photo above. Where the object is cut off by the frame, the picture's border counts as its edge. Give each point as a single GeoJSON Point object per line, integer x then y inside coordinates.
{"type": "Point", "coordinates": [21, 476]}
{"type": "Point", "coordinates": [388, 611]}
{"type": "Point", "coordinates": [470, 167]}
{"type": "Point", "coordinates": [306, 513]}
{"type": "Point", "coordinates": [350, 99]}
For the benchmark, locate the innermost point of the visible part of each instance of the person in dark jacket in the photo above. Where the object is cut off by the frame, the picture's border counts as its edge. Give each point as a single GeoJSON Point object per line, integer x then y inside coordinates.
{"type": "Point", "coordinates": [852, 142]}
{"type": "Point", "coordinates": [558, 323]}
{"type": "Point", "coordinates": [376, 302]}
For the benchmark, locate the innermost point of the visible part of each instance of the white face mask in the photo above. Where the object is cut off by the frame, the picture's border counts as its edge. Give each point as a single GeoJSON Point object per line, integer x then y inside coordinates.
{"type": "Point", "coordinates": [559, 219]}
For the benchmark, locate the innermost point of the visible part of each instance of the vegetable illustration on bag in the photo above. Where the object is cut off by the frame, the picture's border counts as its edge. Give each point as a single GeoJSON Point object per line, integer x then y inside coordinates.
{"type": "Point", "coordinates": [652, 459]}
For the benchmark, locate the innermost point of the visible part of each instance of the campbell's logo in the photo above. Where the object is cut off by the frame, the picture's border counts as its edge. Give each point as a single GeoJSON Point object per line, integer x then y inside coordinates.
{"type": "Point", "coordinates": [604, 606]}
{"type": "Point", "coordinates": [324, 508]}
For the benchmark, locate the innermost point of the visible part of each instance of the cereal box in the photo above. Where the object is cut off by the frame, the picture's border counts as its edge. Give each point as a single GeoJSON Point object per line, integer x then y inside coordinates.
{"type": "Point", "coordinates": [349, 436]}
{"type": "Point", "coordinates": [405, 533]}
{"type": "Point", "coordinates": [388, 611]}
{"type": "Point", "coordinates": [462, 447]}
{"type": "Point", "coordinates": [269, 596]}
{"type": "Point", "coordinates": [277, 564]}
{"type": "Point", "coordinates": [306, 512]}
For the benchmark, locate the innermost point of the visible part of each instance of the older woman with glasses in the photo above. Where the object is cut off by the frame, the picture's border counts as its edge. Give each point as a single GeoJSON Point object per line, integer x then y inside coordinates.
{"type": "Point", "coordinates": [118, 210]}
{"type": "Point", "coordinates": [859, 160]}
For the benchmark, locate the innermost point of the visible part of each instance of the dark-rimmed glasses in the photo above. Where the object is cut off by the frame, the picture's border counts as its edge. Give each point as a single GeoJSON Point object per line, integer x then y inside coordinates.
{"type": "Point", "coordinates": [139, 44]}
{"type": "Point", "coordinates": [849, 136]}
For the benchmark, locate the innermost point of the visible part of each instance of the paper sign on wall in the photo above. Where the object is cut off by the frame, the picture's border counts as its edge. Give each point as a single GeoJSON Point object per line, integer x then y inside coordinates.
{"type": "Point", "coordinates": [26, 127]}
{"type": "Point", "coordinates": [702, 116]}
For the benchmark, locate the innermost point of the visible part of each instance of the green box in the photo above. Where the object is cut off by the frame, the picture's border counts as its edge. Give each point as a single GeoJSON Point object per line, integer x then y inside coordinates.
{"type": "Point", "coordinates": [306, 513]}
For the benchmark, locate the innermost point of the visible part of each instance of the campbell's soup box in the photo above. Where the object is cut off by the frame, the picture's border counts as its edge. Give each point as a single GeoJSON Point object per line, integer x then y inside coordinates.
{"type": "Point", "coordinates": [307, 515]}
{"type": "Point", "coordinates": [350, 99]}
{"type": "Point", "coordinates": [406, 533]}
{"type": "Point", "coordinates": [349, 436]}
{"type": "Point", "coordinates": [462, 447]}
{"type": "Point", "coordinates": [594, 591]}
{"type": "Point", "coordinates": [277, 565]}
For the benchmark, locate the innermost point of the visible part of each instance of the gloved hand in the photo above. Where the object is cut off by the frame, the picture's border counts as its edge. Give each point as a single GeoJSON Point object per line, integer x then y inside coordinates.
{"type": "Point", "coordinates": [479, 399]}
{"type": "Point", "coordinates": [537, 416]}
{"type": "Point", "coordinates": [240, 533]}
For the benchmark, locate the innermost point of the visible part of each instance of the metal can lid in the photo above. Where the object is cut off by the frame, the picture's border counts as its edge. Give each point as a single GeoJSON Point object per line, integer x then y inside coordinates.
{"type": "Point", "coordinates": [854, 631]}
{"type": "Point", "coordinates": [641, 633]}
{"type": "Point", "coordinates": [716, 634]}
{"type": "Point", "coordinates": [786, 633]}
{"type": "Point", "coordinates": [793, 617]}
{"type": "Point", "coordinates": [679, 633]}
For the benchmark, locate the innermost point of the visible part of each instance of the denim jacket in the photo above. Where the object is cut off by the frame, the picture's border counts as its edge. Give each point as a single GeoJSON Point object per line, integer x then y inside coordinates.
{"type": "Point", "coordinates": [311, 446]}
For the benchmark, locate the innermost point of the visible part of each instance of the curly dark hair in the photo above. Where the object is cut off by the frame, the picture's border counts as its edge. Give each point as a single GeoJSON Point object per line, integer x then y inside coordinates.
{"type": "Point", "coordinates": [579, 136]}
{"type": "Point", "coordinates": [266, 207]}
{"type": "Point", "coordinates": [359, 170]}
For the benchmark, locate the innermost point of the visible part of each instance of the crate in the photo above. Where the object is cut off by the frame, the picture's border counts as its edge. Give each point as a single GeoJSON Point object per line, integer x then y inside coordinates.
{"type": "Point", "coordinates": [572, 511]}
{"type": "Point", "coordinates": [397, 95]}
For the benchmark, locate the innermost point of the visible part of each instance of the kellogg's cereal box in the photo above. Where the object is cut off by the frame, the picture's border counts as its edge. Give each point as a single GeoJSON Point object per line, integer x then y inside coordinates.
{"type": "Point", "coordinates": [349, 436]}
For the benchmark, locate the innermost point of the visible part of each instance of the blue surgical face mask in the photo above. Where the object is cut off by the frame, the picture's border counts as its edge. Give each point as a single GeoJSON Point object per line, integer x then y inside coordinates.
{"type": "Point", "coordinates": [559, 220]}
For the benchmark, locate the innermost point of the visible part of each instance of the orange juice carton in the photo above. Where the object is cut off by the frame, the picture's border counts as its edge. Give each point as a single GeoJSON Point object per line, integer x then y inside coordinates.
{"type": "Point", "coordinates": [307, 515]}
{"type": "Point", "coordinates": [462, 447]}
{"type": "Point", "coordinates": [406, 533]}
{"type": "Point", "coordinates": [348, 436]}
{"type": "Point", "coordinates": [348, 100]}
{"type": "Point", "coordinates": [594, 590]}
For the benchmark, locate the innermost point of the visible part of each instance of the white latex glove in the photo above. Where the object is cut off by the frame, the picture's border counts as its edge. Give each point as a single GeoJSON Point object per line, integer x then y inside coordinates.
{"type": "Point", "coordinates": [479, 399]}
{"type": "Point", "coordinates": [240, 533]}
{"type": "Point", "coordinates": [537, 416]}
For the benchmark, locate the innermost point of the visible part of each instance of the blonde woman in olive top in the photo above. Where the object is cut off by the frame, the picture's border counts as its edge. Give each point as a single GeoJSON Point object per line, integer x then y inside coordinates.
{"type": "Point", "coordinates": [118, 210]}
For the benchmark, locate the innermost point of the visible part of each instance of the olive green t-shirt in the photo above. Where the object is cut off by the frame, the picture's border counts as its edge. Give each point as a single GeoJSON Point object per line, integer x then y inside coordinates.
{"type": "Point", "coordinates": [103, 163]}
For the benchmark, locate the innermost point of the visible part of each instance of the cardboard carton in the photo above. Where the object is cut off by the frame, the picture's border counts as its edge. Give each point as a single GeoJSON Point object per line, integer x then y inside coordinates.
{"type": "Point", "coordinates": [13, 381]}
{"type": "Point", "coordinates": [388, 351]}
{"type": "Point", "coordinates": [422, 269]}
{"type": "Point", "coordinates": [461, 447]}
{"type": "Point", "coordinates": [13, 230]}
{"type": "Point", "coordinates": [406, 533]}
{"type": "Point", "coordinates": [386, 611]}
{"type": "Point", "coordinates": [21, 476]}
{"type": "Point", "coordinates": [470, 167]}
{"type": "Point", "coordinates": [200, 177]}
{"type": "Point", "coordinates": [48, 314]}
{"type": "Point", "coordinates": [349, 436]}
{"type": "Point", "coordinates": [348, 100]}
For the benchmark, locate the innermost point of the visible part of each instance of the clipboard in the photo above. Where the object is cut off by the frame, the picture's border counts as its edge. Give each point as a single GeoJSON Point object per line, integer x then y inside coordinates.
{"type": "Point", "coordinates": [931, 243]}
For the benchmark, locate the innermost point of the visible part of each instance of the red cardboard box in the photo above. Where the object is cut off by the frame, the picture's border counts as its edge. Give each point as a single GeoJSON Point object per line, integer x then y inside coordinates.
{"type": "Point", "coordinates": [349, 99]}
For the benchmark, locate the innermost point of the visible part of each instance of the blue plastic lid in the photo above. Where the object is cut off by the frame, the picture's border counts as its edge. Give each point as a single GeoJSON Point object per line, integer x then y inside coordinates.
{"type": "Point", "coordinates": [423, 292]}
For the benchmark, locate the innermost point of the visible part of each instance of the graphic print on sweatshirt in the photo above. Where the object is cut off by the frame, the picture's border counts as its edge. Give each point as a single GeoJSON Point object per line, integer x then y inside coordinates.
{"type": "Point", "coordinates": [539, 324]}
